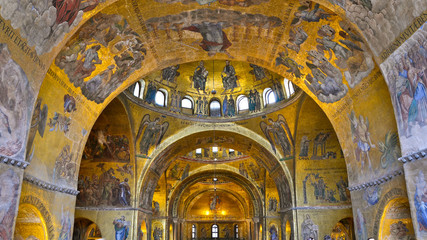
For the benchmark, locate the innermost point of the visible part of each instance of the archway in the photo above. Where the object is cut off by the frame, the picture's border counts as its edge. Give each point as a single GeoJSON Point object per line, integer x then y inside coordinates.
{"type": "Point", "coordinates": [85, 229]}
{"type": "Point", "coordinates": [30, 224]}
{"type": "Point", "coordinates": [396, 222]}
{"type": "Point", "coordinates": [343, 230]}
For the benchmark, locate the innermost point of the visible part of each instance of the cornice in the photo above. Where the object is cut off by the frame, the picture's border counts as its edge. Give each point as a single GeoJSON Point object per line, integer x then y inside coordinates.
{"type": "Point", "coordinates": [14, 162]}
{"type": "Point", "coordinates": [414, 156]}
{"type": "Point", "coordinates": [377, 181]}
{"type": "Point", "coordinates": [49, 186]}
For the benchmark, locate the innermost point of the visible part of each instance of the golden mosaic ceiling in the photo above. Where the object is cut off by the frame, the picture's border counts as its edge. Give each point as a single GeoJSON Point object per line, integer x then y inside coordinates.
{"type": "Point", "coordinates": [302, 40]}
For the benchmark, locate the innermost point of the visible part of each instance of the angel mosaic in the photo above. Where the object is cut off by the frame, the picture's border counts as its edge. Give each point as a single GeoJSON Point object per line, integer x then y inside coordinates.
{"type": "Point", "coordinates": [81, 57]}
{"type": "Point", "coordinates": [38, 124]}
{"type": "Point", "coordinates": [65, 166]}
{"type": "Point", "coordinates": [309, 13]}
{"type": "Point", "coordinates": [296, 38]}
{"type": "Point", "coordinates": [325, 80]}
{"type": "Point", "coordinates": [279, 134]}
{"type": "Point", "coordinates": [361, 136]}
{"type": "Point", "coordinates": [285, 60]}
{"type": "Point", "coordinates": [349, 51]}
{"type": "Point", "coordinates": [59, 121]}
{"type": "Point", "coordinates": [152, 133]}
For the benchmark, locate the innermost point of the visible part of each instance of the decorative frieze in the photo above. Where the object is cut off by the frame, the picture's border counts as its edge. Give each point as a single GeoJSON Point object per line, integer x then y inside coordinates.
{"type": "Point", "coordinates": [14, 162]}
{"type": "Point", "coordinates": [378, 181]}
{"type": "Point", "coordinates": [316, 208]}
{"type": "Point", "coordinates": [414, 156]}
{"type": "Point", "coordinates": [49, 186]}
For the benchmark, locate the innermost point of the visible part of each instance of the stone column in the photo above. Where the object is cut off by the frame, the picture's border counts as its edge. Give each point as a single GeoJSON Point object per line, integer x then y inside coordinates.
{"type": "Point", "coordinates": [256, 235]}
{"type": "Point", "coordinates": [175, 229]}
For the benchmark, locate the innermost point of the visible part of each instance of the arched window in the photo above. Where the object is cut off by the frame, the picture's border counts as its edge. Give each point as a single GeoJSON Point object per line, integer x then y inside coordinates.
{"type": "Point", "coordinates": [186, 102]}
{"type": "Point", "coordinates": [141, 94]}
{"type": "Point", "coordinates": [242, 103]}
{"type": "Point", "coordinates": [193, 232]}
{"type": "Point", "coordinates": [215, 149]}
{"type": "Point", "coordinates": [215, 231]}
{"type": "Point", "coordinates": [215, 108]}
{"type": "Point", "coordinates": [161, 97]}
{"type": "Point", "coordinates": [289, 88]}
{"type": "Point", "coordinates": [269, 96]}
{"type": "Point", "coordinates": [236, 231]}
{"type": "Point", "coordinates": [137, 89]}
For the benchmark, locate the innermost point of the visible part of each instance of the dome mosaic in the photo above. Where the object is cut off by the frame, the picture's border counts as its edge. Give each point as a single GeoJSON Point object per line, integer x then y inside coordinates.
{"type": "Point", "coordinates": [215, 88]}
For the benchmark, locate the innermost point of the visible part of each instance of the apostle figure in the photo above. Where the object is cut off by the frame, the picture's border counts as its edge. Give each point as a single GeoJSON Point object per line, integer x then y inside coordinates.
{"type": "Point", "coordinates": [257, 101]}
{"type": "Point", "coordinates": [251, 101]}
{"type": "Point", "coordinates": [200, 77]}
{"type": "Point", "coordinates": [124, 196]}
{"type": "Point", "coordinates": [122, 228]}
{"type": "Point", "coordinates": [231, 108]}
{"type": "Point", "coordinates": [229, 78]}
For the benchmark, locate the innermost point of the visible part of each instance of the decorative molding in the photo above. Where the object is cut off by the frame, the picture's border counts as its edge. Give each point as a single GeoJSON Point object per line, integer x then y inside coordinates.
{"type": "Point", "coordinates": [108, 208]}
{"type": "Point", "coordinates": [414, 156]}
{"type": "Point", "coordinates": [14, 162]}
{"type": "Point", "coordinates": [377, 181]}
{"type": "Point", "coordinates": [316, 208]}
{"type": "Point", "coordinates": [49, 186]}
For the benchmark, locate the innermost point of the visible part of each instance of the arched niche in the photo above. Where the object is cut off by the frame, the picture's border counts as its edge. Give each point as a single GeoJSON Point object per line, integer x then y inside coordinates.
{"type": "Point", "coordinates": [30, 224]}
{"type": "Point", "coordinates": [343, 230]}
{"type": "Point", "coordinates": [85, 229]}
{"type": "Point", "coordinates": [107, 159]}
{"type": "Point", "coordinates": [396, 222]}
{"type": "Point", "coordinates": [241, 139]}
{"type": "Point", "coordinates": [181, 204]}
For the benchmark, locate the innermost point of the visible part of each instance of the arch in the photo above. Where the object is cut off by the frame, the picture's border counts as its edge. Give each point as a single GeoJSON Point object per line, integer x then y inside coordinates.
{"type": "Point", "coordinates": [242, 104]}
{"type": "Point", "coordinates": [250, 188]}
{"type": "Point", "coordinates": [142, 72]}
{"type": "Point", "coordinates": [236, 231]}
{"type": "Point", "coordinates": [215, 231]}
{"type": "Point", "coordinates": [269, 97]}
{"type": "Point", "coordinates": [344, 229]}
{"type": "Point", "coordinates": [141, 92]}
{"type": "Point", "coordinates": [289, 88]}
{"type": "Point", "coordinates": [31, 224]}
{"type": "Point", "coordinates": [161, 97]}
{"type": "Point", "coordinates": [137, 89]}
{"type": "Point", "coordinates": [187, 102]}
{"type": "Point", "coordinates": [215, 108]}
{"type": "Point", "coordinates": [93, 232]}
{"type": "Point", "coordinates": [396, 221]}
{"type": "Point", "coordinates": [169, 149]}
